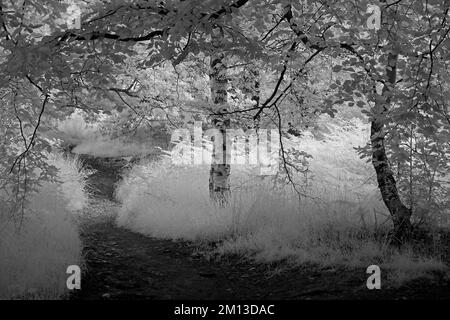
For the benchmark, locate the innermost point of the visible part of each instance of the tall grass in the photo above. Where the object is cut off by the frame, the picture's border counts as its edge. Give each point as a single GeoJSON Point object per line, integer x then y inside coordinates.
{"type": "Point", "coordinates": [341, 221]}
{"type": "Point", "coordinates": [166, 203]}
{"type": "Point", "coordinates": [35, 255]}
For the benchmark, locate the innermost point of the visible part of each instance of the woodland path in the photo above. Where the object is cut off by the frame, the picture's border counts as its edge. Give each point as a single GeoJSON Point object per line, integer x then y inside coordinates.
{"type": "Point", "coordinates": [120, 264]}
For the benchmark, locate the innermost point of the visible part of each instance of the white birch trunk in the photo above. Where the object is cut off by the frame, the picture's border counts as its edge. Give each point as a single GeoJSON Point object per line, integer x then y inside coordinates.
{"type": "Point", "coordinates": [219, 180]}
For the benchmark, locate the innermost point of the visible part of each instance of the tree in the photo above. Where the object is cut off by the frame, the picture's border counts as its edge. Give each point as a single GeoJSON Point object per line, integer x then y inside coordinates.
{"type": "Point", "coordinates": [393, 105]}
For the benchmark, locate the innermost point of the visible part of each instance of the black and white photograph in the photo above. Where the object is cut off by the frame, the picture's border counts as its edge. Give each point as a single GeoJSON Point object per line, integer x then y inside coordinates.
{"type": "Point", "coordinates": [224, 155]}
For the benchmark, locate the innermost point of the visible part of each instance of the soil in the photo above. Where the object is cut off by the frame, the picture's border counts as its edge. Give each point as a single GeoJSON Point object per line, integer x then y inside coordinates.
{"type": "Point", "coordinates": [121, 264]}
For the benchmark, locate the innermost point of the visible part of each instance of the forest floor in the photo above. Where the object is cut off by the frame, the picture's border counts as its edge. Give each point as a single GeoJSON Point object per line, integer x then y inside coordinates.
{"type": "Point", "coordinates": [121, 264]}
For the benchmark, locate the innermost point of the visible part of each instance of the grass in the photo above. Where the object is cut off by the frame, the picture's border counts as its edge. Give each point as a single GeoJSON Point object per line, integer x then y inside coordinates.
{"type": "Point", "coordinates": [34, 257]}
{"type": "Point", "coordinates": [341, 222]}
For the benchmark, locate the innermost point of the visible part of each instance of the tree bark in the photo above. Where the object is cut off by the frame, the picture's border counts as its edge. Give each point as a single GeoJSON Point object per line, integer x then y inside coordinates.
{"type": "Point", "coordinates": [386, 181]}
{"type": "Point", "coordinates": [219, 179]}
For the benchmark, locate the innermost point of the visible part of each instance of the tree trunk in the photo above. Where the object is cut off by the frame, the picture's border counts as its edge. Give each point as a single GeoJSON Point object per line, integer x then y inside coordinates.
{"type": "Point", "coordinates": [386, 182]}
{"type": "Point", "coordinates": [219, 179]}
{"type": "Point", "coordinates": [254, 74]}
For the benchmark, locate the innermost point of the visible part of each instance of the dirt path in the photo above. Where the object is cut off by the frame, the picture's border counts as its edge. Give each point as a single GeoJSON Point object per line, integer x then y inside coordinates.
{"type": "Point", "coordinates": [121, 264]}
